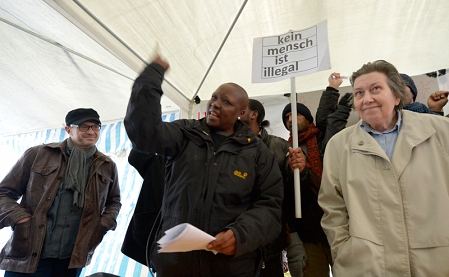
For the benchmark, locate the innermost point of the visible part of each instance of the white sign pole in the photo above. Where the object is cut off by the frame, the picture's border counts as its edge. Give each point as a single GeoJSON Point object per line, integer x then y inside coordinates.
{"type": "Point", "coordinates": [295, 53]}
{"type": "Point", "coordinates": [297, 182]}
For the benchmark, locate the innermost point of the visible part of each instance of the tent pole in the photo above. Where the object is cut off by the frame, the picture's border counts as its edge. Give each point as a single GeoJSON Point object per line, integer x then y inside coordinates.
{"type": "Point", "coordinates": [124, 44]}
{"type": "Point", "coordinates": [219, 49]}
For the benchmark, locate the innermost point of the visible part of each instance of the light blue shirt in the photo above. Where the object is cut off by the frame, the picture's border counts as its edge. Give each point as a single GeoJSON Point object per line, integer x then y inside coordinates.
{"type": "Point", "coordinates": [386, 139]}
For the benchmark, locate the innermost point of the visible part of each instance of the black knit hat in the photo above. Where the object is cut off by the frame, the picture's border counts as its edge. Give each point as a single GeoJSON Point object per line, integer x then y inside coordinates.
{"type": "Point", "coordinates": [410, 84]}
{"type": "Point", "coordinates": [301, 109]}
{"type": "Point", "coordinates": [81, 115]}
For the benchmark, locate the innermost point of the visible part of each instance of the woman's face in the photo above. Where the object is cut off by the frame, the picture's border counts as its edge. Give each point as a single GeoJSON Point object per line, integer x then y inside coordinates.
{"type": "Point", "coordinates": [374, 101]}
{"type": "Point", "coordinates": [226, 104]}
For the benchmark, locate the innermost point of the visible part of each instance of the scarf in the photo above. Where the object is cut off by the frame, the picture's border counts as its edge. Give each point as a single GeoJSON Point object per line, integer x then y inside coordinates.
{"type": "Point", "coordinates": [314, 156]}
{"type": "Point", "coordinates": [76, 174]}
{"type": "Point", "coordinates": [417, 108]}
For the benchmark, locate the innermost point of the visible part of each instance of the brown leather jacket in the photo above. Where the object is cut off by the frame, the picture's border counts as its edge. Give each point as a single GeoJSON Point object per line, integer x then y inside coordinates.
{"type": "Point", "coordinates": [36, 177]}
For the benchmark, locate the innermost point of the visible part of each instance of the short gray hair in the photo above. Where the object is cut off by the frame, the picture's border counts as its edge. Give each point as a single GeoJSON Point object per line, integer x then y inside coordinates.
{"type": "Point", "coordinates": [394, 80]}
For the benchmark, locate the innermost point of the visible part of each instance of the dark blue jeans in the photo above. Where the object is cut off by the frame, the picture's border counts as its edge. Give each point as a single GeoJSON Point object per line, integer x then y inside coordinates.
{"type": "Point", "coordinates": [49, 268]}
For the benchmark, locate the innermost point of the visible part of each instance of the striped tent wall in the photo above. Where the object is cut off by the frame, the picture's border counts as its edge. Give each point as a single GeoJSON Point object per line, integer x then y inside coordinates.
{"type": "Point", "coordinates": [115, 143]}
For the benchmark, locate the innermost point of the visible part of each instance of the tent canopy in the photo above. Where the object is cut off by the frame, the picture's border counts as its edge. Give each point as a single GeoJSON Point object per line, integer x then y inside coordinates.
{"type": "Point", "coordinates": [57, 55]}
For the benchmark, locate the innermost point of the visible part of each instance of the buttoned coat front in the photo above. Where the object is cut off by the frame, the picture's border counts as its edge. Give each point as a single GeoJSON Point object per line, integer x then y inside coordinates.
{"type": "Point", "coordinates": [388, 218]}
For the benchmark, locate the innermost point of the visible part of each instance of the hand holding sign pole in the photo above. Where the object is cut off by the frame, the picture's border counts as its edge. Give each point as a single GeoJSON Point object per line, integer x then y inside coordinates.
{"type": "Point", "coordinates": [295, 53]}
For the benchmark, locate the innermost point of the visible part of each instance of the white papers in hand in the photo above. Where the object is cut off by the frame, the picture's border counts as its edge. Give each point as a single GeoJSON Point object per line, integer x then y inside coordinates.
{"type": "Point", "coordinates": [183, 238]}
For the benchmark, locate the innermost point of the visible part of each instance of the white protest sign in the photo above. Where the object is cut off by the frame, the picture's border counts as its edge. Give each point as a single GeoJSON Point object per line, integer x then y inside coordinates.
{"type": "Point", "coordinates": [295, 53]}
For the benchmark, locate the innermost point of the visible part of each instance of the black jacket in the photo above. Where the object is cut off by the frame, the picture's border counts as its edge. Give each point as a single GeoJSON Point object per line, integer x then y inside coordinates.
{"type": "Point", "coordinates": [237, 187]}
{"type": "Point", "coordinates": [279, 147]}
{"type": "Point", "coordinates": [143, 222]}
{"type": "Point", "coordinates": [331, 116]}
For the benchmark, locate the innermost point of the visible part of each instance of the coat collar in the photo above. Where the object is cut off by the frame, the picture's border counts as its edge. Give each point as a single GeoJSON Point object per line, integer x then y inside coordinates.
{"type": "Point", "coordinates": [414, 131]}
{"type": "Point", "coordinates": [62, 146]}
{"type": "Point", "coordinates": [243, 133]}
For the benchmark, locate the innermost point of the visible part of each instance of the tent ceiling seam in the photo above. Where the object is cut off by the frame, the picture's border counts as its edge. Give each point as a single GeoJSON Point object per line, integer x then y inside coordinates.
{"type": "Point", "coordinates": [55, 43]}
{"type": "Point", "coordinates": [89, 13]}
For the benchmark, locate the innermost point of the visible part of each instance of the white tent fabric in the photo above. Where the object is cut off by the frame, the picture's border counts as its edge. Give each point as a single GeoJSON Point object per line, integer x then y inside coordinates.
{"type": "Point", "coordinates": [115, 143]}
{"type": "Point", "coordinates": [48, 66]}
{"type": "Point", "coordinates": [61, 54]}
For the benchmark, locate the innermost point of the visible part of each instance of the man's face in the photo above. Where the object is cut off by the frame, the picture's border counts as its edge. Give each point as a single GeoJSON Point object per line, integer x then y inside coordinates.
{"type": "Point", "coordinates": [227, 103]}
{"type": "Point", "coordinates": [303, 123]}
{"type": "Point", "coordinates": [85, 139]}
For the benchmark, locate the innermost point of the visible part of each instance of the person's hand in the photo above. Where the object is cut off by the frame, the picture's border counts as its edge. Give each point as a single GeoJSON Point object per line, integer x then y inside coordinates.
{"type": "Point", "coordinates": [304, 269]}
{"type": "Point", "coordinates": [437, 100]}
{"type": "Point", "coordinates": [161, 62]}
{"type": "Point", "coordinates": [335, 80]}
{"type": "Point", "coordinates": [296, 159]}
{"type": "Point", "coordinates": [344, 100]}
{"type": "Point", "coordinates": [224, 243]}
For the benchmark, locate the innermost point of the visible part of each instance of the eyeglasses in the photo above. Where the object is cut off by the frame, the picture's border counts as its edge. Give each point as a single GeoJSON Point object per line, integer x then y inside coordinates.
{"type": "Point", "coordinates": [85, 128]}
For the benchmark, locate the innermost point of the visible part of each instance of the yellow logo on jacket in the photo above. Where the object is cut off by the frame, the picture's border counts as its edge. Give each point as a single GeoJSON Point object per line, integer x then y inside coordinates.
{"type": "Point", "coordinates": [240, 174]}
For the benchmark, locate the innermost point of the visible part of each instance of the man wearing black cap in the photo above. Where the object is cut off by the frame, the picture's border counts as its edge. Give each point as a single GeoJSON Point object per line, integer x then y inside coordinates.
{"type": "Point", "coordinates": [312, 141]}
{"type": "Point", "coordinates": [70, 198]}
{"type": "Point", "coordinates": [308, 228]}
{"type": "Point", "coordinates": [331, 117]}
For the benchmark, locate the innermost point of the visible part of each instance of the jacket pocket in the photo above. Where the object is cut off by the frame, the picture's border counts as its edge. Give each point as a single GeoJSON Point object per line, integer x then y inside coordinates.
{"type": "Point", "coordinates": [241, 175]}
{"type": "Point", "coordinates": [42, 176]}
{"type": "Point", "coordinates": [97, 236]}
{"type": "Point", "coordinates": [427, 223]}
{"type": "Point", "coordinates": [103, 182]}
{"type": "Point", "coordinates": [358, 251]}
{"type": "Point", "coordinates": [20, 241]}
{"type": "Point", "coordinates": [144, 227]}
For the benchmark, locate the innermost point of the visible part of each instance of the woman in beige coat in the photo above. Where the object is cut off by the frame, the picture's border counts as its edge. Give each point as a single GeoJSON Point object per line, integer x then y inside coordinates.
{"type": "Point", "coordinates": [385, 184]}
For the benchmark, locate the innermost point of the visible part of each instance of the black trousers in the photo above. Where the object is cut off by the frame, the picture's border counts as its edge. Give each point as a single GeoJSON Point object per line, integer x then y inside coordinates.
{"type": "Point", "coordinates": [49, 268]}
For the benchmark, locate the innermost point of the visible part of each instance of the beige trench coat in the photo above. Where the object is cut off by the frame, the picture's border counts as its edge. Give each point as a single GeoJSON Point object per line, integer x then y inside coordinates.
{"type": "Point", "coordinates": [387, 218]}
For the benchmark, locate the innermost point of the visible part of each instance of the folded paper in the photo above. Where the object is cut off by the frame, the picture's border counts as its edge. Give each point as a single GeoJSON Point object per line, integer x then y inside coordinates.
{"type": "Point", "coordinates": [183, 238]}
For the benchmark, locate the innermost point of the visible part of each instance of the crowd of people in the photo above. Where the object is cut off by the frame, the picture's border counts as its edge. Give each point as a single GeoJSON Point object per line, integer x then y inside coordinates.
{"type": "Point", "coordinates": [373, 194]}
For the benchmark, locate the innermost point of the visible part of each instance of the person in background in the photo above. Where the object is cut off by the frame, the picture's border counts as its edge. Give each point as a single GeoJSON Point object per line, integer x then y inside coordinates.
{"type": "Point", "coordinates": [331, 117]}
{"type": "Point", "coordinates": [219, 177]}
{"type": "Point", "coordinates": [272, 253]}
{"type": "Point", "coordinates": [332, 114]}
{"type": "Point", "coordinates": [435, 102]}
{"type": "Point", "coordinates": [307, 228]}
{"type": "Point", "coordinates": [385, 211]}
{"type": "Point", "coordinates": [69, 198]}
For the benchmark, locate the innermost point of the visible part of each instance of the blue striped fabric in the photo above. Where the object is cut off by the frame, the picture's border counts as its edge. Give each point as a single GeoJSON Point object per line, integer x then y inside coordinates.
{"type": "Point", "coordinates": [115, 143]}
